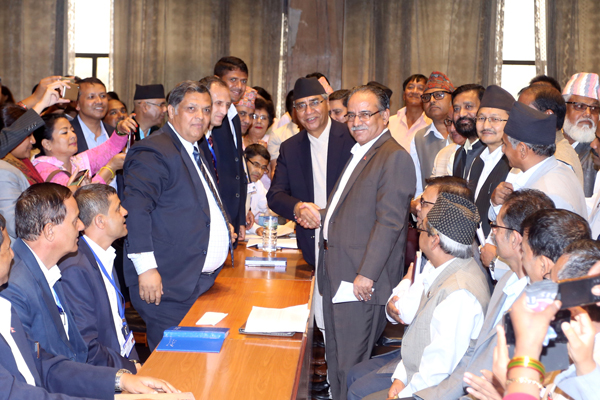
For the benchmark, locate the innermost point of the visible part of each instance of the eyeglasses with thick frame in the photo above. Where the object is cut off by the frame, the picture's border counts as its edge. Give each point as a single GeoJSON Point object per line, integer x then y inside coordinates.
{"type": "Point", "coordinates": [439, 95]}
{"type": "Point", "coordinates": [364, 116]}
{"type": "Point", "coordinates": [582, 107]}
{"type": "Point", "coordinates": [491, 120]}
{"type": "Point", "coordinates": [448, 122]}
{"type": "Point", "coordinates": [423, 202]}
{"type": "Point", "coordinates": [302, 107]}
{"type": "Point", "coordinates": [494, 225]}
{"type": "Point", "coordinates": [264, 168]}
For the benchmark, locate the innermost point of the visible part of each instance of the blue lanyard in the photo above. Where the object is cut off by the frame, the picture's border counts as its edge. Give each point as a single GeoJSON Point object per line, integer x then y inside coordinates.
{"type": "Point", "coordinates": [120, 298]}
{"type": "Point", "coordinates": [212, 151]}
{"type": "Point", "coordinates": [61, 310]}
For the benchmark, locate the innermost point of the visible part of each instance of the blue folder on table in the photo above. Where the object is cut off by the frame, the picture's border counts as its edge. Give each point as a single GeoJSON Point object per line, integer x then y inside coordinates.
{"type": "Point", "coordinates": [193, 339]}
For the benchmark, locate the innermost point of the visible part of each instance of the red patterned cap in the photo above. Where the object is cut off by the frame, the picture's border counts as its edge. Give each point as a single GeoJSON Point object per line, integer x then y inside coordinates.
{"type": "Point", "coordinates": [439, 80]}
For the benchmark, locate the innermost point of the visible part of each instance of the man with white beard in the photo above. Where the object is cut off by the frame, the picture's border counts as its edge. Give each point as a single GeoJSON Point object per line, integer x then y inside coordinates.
{"type": "Point", "coordinates": [583, 109]}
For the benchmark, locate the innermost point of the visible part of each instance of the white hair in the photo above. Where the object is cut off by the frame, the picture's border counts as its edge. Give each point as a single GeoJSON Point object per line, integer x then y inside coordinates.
{"type": "Point", "coordinates": [450, 246]}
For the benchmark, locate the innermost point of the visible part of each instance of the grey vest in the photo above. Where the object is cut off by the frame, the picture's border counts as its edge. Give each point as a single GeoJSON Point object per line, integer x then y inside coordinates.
{"type": "Point", "coordinates": [427, 148]}
{"type": "Point", "coordinates": [460, 274]}
{"type": "Point", "coordinates": [589, 169]}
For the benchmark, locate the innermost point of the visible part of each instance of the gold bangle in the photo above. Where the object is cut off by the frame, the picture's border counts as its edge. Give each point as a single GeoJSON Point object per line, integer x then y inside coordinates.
{"type": "Point", "coordinates": [525, 380]}
{"type": "Point", "coordinates": [110, 170]}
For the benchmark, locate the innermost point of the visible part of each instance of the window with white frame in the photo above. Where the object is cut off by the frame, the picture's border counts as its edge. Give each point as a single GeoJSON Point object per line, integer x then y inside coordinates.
{"type": "Point", "coordinates": [518, 46]}
{"type": "Point", "coordinates": [92, 39]}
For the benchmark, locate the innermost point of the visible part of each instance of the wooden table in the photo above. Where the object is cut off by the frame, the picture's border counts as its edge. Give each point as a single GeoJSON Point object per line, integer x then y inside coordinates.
{"type": "Point", "coordinates": [248, 367]}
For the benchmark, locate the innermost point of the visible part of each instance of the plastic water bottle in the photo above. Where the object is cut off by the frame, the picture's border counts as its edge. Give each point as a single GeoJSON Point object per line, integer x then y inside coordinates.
{"type": "Point", "coordinates": [269, 224]}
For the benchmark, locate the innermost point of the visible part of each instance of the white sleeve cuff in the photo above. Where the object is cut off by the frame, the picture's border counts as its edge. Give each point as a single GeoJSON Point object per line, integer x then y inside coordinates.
{"type": "Point", "coordinates": [143, 261]}
{"type": "Point", "coordinates": [400, 373]}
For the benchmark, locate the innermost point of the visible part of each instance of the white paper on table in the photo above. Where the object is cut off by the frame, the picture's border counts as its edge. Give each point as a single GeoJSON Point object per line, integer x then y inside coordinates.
{"type": "Point", "coordinates": [345, 293]}
{"type": "Point", "coordinates": [281, 243]}
{"type": "Point", "coordinates": [269, 320]}
{"type": "Point", "coordinates": [156, 396]}
{"type": "Point", "coordinates": [211, 318]}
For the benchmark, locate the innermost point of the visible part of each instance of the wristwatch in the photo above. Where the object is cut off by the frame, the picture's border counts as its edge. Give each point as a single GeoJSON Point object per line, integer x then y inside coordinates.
{"type": "Point", "coordinates": [118, 379]}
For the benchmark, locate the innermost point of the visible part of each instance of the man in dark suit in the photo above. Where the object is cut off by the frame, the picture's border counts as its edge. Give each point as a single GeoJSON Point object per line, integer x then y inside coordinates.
{"type": "Point", "coordinates": [295, 178]}
{"type": "Point", "coordinates": [47, 224]}
{"type": "Point", "coordinates": [90, 284]}
{"type": "Point", "coordinates": [226, 143]}
{"type": "Point", "coordinates": [149, 107]}
{"type": "Point", "coordinates": [28, 371]}
{"type": "Point", "coordinates": [178, 230]}
{"type": "Point", "coordinates": [465, 103]}
{"type": "Point", "coordinates": [92, 106]}
{"type": "Point", "coordinates": [490, 167]}
{"type": "Point", "coordinates": [364, 235]}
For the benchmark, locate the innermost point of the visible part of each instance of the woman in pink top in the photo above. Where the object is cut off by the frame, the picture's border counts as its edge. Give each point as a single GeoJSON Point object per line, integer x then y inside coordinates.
{"type": "Point", "coordinates": [57, 142]}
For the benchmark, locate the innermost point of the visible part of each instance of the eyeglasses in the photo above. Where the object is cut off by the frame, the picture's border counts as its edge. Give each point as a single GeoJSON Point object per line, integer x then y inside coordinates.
{"type": "Point", "coordinates": [261, 117]}
{"type": "Point", "coordinates": [161, 105]}
{"type": "Point", "coordinates": [494, 225]}
{"type": "Point", "coordinates": [582, 107]}
{"type": "Point", "coordinates": [301, 107]}
{"type": "Point", "coordinates": [264, 168]}
{"type": "Point", "coordinates": [244, 114]}
{"type": "Point", "coordinates": [491, 120]}
{"type": "Point", "coordinates": [425, 98]}
{"type": "Point", "coordinates": [423, 202]}
{"type": "Point", "coordinates": [364, 116]}
{"type": "Point", "coordinates": [448, 122]}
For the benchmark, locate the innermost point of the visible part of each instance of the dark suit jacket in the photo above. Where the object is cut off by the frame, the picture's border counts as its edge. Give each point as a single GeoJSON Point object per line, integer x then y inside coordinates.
{"type": "Point", "coordinates": [463, 161]}
{"type": "Point", "coordinates": [136, 133]}
{"type": "Point", "coordinates": [81, 143]}
{"type": "Point", "coordinates": [293, 180]}
{"type": "Point", "coordinates": [230, 167]}
{"type": "Point", "coordinates": [482, 201]}
{"type": "Point", "coordinates": [367, 229]}
{"type": "Point", "coordinates": [12, 136]}
{"type": "Point", "coordinates": [30, 295]}
{"type": "Point", "coordinates": [88, 300]}
{"type": "Point", "coordinates": [55, 377]}
{"type": "Point", "coordinates": [168, 212]}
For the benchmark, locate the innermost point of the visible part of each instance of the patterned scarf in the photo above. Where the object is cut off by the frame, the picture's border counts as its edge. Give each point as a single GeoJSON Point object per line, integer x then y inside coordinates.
{"type": "Point", "coordinates": [26, 167]}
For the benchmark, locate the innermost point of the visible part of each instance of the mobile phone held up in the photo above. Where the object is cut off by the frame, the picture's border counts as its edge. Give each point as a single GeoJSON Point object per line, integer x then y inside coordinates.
{"type": "Point", "coordinates": [70, 93]}
{"type": "Point", "coordinates": [80, 177]}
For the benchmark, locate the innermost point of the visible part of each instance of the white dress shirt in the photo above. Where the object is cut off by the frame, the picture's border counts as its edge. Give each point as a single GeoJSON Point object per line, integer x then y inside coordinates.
{"type": "Point", "coordinates": [279, 136]}
{"type": "Point", "coordinates": [455, 322]}
{"type": "Point", "coordinates": [409, 295]}
{"type": "Point", "coordinates": [443, 164]}
{"type": "Point", "coordinates": [107, 258]}
{"type": "Point", "coordinates": [490, 160]}
{"type": "Point", "coordinates": [231, 113]}
{"type": "Point", "coordinates": [518, 179]}
{"type": "Point", "coordinates": [258, 204]}
{"type": "Point", "coordinates": [218, 242]}
{"type": "Point", "coordinates": [5, 331]}
{"type": "Point", "coordinates": [415, 156]}
{"type": "Point", "coordinates": [358, 152]}
{"type": "Point", "coordinates": [318, 156]}
{"type": "Point", "coordinates": [52, 276]}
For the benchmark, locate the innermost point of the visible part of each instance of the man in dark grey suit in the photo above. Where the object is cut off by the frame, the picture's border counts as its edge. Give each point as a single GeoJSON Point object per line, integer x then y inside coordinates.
{"type": "Point", "coordinates": [364, 235]}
